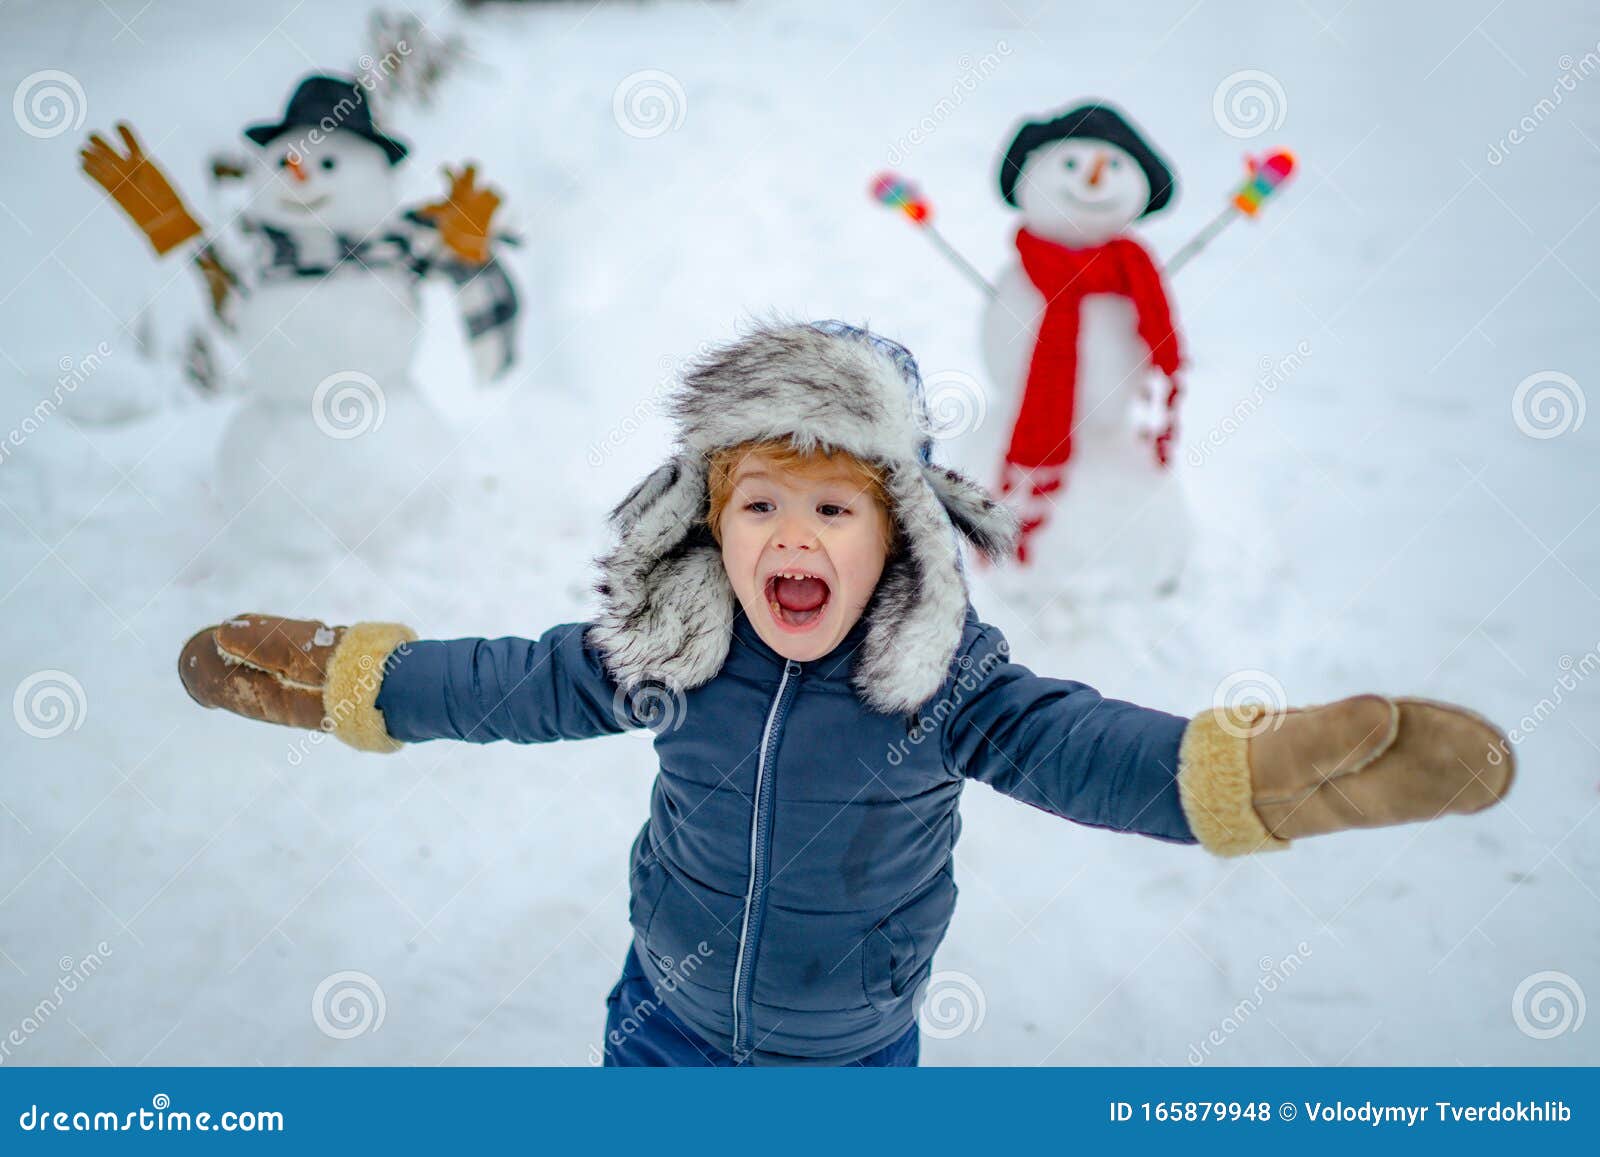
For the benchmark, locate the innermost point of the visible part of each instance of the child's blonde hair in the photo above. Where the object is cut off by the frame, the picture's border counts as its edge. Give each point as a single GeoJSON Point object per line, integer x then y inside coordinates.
{"type": "Point", "coordinates": [869, 477]}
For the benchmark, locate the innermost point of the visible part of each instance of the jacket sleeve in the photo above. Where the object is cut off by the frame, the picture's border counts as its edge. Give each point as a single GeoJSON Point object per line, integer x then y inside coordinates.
{"type": "Point", "coordinates": [522, 690]}
{"type": "Point", "coordinates": [1063, 747]}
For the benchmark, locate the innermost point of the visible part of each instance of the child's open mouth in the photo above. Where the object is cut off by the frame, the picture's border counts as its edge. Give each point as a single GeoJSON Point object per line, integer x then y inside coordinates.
{"type": "Point", "coordinates": [796, 599]}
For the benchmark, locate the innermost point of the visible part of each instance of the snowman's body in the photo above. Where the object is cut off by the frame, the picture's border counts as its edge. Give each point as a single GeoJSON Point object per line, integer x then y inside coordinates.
{"type": "Point", "coordinates": [1120, 526]}
{"type": "Point", "coordinates": [332, 444]}
{"type": "Point", "coordinates": [288, 332]}
{"type": "Point", "coordinates": [1112, 358]}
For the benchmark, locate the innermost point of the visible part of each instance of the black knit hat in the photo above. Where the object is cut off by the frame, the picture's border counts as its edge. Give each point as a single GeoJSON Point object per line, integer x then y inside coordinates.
{"type": "Point", "coordinates": [328, 103]}
{"type": "Point", "coordinates": [1095, 122]}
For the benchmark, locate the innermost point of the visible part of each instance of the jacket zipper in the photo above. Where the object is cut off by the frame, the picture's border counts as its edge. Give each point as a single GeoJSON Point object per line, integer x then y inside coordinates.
{"type": "Point", "coordinates": [760, 815]}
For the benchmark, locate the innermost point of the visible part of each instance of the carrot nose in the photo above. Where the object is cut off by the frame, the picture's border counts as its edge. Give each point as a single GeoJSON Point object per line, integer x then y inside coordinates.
{"type": "Point", "coordinates": [296, 169]}
{"type": "Point", "coordinates": [1096, 169]}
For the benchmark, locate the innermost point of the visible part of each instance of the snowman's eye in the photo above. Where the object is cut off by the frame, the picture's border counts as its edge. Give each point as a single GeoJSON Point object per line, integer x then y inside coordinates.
{"type": "Point", "coordinates": [328, 164]}
{"type": "Point", "coordinates": [1072, 162]}
{"type": "Point", "coordinates": [1115, 163]}
{"type": "Point", "coordinates": [283, 162]}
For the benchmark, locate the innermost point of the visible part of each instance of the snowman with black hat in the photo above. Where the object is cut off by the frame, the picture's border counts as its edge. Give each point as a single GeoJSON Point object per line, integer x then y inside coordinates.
{"type": "Point", "coordinates": [318, 278]}
{"type": "Point", "coordinates": [1072, 338]}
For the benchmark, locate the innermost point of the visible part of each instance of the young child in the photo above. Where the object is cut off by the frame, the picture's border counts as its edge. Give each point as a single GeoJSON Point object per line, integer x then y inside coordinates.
{"type": "Point", "coordinates": [789, 587]}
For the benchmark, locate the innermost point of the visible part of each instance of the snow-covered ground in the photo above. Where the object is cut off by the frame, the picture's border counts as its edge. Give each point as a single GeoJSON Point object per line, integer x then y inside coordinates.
{"type": "Point", "coordinates": [1377, 519]}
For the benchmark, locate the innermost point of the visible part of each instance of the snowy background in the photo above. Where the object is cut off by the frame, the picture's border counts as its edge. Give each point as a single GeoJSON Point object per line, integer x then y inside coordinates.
{"type": "Point", "coordinates": [1386, 518]}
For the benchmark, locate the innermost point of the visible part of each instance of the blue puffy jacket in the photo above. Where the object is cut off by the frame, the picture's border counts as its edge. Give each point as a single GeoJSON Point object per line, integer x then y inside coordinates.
{"type": "Point", "coordinates": [796, 873]}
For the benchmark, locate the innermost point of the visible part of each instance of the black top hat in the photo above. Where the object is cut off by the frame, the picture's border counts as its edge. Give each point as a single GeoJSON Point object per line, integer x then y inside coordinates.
{"type": "Point", "coordinates": [1096, 122]}
{"type": "Point", "coordinates": [328, 103]}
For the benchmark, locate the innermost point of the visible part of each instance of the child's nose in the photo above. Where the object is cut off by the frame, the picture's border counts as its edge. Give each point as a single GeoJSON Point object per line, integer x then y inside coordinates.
{"type": "Point", "coordinates": [795, 536]}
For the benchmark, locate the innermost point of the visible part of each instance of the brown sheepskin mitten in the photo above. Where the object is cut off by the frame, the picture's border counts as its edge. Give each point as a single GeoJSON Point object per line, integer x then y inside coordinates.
{"type": "Point", "coordinates": [463, 216]}
{"type": "Point", "coordinates": [296, 672]}
{"type": "Point", "coordinates": [137, 184]}
{"type": "Point", "coordinates": [1252, 779]}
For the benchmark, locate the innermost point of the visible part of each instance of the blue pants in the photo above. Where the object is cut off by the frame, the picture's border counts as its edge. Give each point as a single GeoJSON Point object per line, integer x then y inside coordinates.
{"type": "Point", "coordinates": [654, 1036]}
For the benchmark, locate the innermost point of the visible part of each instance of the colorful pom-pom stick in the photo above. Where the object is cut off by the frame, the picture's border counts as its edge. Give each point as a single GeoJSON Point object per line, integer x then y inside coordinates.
{"type": "Point", "coordinates": [899, 193]}
{"type": "Point", "coordinates": [896, 192]}
{"type": "Point", "coordinates": [1264, 176]}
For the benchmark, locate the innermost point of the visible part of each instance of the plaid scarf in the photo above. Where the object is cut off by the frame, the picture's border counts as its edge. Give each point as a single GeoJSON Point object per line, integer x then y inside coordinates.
{"type": "Point", "coordinates": [485, 296]}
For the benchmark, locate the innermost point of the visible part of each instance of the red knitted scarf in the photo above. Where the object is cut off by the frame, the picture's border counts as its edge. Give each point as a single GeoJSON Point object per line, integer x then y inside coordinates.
{"type": "Point", "coordinates": [1043, 432]}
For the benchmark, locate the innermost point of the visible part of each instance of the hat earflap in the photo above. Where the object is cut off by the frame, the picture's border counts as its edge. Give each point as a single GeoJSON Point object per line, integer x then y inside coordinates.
{"type": "Point", "coordinates": [667, 606]}
{"type": "Point", "coordinates": [917, 611]}
{"type": "Point", "coordinates": [991, 527]}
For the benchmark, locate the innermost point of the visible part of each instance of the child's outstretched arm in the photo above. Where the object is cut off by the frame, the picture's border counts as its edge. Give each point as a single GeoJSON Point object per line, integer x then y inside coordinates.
{"type": "Point", "coordinates": [1235, 781]}
{"type": "Point", "coordinates": [375, 686]}
{"type": "Point", "coordinates": [1063, 747]}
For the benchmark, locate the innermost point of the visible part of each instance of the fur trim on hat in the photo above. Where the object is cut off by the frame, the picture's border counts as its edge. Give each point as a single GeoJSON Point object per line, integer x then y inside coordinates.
{"type": "Point", "coordinates": [667, 605]}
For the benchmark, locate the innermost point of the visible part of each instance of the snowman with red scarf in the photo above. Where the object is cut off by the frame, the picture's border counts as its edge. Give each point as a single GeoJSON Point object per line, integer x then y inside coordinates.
{"type": "Point", "coordinates": [1080, 344]}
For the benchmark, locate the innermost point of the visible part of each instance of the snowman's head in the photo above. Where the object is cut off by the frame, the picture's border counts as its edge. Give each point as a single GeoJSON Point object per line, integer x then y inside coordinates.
{"type": "Point", "coordinates": [1081, 192]}
{"type": "Point", "coordinates": [337, 181]}
{"type": "Point", "coordinates": [1083, 177]}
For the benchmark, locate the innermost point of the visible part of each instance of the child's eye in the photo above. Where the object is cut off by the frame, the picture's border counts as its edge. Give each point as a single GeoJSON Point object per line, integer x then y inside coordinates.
{"type": "Point", "coordinates": [760, 506]}
{"type": "Point", "coordinates": [832, 510]}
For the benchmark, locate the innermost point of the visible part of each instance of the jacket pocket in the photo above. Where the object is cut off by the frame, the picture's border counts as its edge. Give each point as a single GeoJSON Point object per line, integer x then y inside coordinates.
{"type": "Point", "coordinates": [645, 884]}
{"type": "Point", "coordinates": [691, 933]}
{"type": "Point", "coordinates": [898, 952]}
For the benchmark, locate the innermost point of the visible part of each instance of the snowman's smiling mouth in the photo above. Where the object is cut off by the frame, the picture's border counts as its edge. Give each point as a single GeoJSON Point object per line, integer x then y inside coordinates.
{"type": "Point", "coordinates": [796, 599]}
{"type": "Point", "coordinates": [310, 206]}
{"type": "Point", "coordinates": [1109, 201]}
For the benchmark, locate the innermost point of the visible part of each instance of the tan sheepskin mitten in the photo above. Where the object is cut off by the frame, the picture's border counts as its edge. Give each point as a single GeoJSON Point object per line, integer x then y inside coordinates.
{"type": "Point", "coordinates": [139, 186]}
{"type": "Point", "coordinates": [296, 672]}
{"type": "Point", "coordinates": [1253, 779]}
{"type": "Point", "coordinates": [463, 216]}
